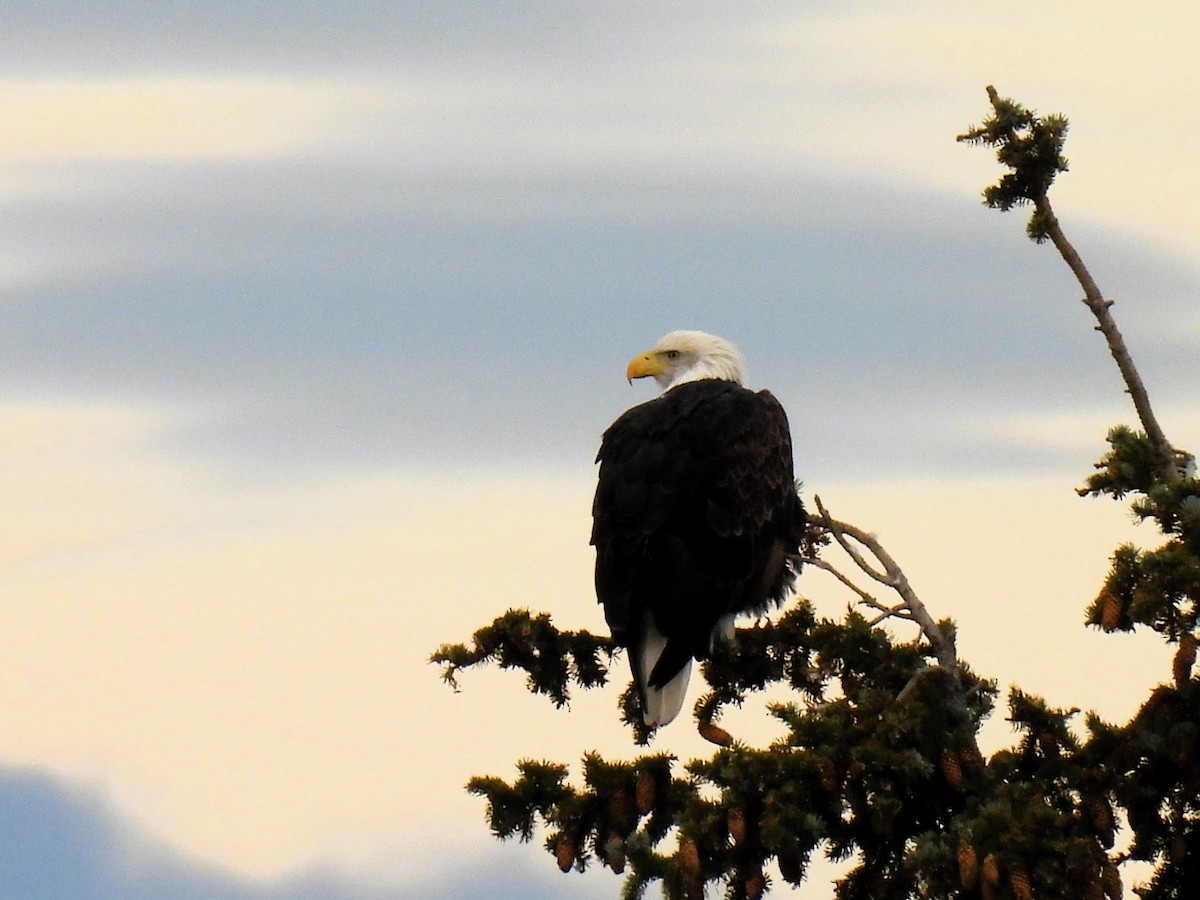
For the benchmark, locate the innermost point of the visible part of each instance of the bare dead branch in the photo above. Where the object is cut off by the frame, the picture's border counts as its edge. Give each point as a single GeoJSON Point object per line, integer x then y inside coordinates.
{"type": "Point", "coordinates": [899, 611]}
{"type": "Point", "coordinates": [893, 576]}
{"type": "Point", "coordinates": [839, 534]}
{"type": "Point", "coordinates": [865, 598]}
{"type": "Point", "coordinates": [1168, 463]}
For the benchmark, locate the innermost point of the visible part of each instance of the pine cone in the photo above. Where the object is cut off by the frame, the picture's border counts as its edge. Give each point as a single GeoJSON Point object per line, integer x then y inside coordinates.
{"type": "Point", "coordinates": [715, 734]}
{"type": "Point", "coordinates": [1018, 880]}
{"type": "Point", "coordinates": [620, 809]}
{"type": "Point", "coordinates": [827, 775]}
{"type": "Point", "coordinates": [968, 865]}
{"type": "Point", "coordinates": [755, 885]}
{"type": "Point", "coordinates": [1185, 658]}
{"type": "Point", "coordinates": [1110, 611]}
{"type": "Point", "coordinates": [736, 820]}
{"type": "Point", "coordinates": [1101, 818]}
{"type": "Point", "coordinates": [989, 878]}
{"type": "Point", "coordinates": [952, 770]}
{"type": "Point", "coordinates": [791, 864]}
{"type": "Point", "coordinates": [689, 865]}
{"type": "Point", "coordinates": [614, 852]}
{"type": "Point", "coordinates": [1178, 850]}
{"type": "Point", "coordinates": [1048, 744]}
{"type": "Point", "coordinates": [1110, 878]}
{"type": "Point", "coordinates": [645, 792]}
{"type": "Point", "coordinates": [1001, 758]}
{"type": "Point", "coordinates": [971, 758]}
{"type": "Point", "coordinates": [689, 856]}
{"type": "Point", "coordinates": [564, 852]}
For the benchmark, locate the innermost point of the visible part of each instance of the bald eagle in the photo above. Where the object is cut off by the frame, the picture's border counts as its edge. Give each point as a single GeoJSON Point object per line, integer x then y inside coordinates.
{"type": "Point", "coordinates": [696, 516]}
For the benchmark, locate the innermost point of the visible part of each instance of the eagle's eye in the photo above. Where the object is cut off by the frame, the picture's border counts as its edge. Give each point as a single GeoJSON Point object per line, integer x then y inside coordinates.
{"type": "Point", "coordinates": [672, 354]}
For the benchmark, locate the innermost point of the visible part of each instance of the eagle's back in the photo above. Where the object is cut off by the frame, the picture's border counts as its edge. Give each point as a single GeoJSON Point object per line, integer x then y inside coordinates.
{"type": "Point", "coordinates": [695, 516]}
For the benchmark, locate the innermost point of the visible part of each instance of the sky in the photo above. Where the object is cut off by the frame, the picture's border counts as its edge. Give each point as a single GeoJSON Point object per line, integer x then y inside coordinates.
{"type": "Point", "coordinates": [314, 314]}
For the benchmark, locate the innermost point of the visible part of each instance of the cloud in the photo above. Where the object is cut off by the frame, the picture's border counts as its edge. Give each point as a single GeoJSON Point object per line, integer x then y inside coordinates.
{"type": "Point", "coordinates": [392, 235]}
{"type": "Point", "coordinates": [61, 840]}
{"type": "Point", "coordinates": [316, 37]}
{"type": "Point", "coordinates": [330, 314]}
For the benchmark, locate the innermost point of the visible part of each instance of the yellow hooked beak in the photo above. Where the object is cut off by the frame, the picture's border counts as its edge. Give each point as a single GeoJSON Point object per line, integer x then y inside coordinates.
{"type": "Point", "coordinates": [643, 366]}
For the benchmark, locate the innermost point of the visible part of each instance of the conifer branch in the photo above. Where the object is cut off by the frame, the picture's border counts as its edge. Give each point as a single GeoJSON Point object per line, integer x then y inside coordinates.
{"type": "Point", "coordinates": [551, 658]}
{"type": "Point", "coordinates": [1031, 146]}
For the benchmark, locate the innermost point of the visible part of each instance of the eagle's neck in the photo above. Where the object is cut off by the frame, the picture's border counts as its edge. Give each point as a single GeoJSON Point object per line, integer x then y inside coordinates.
{"type": "Point", "coordinates": [723, 368]}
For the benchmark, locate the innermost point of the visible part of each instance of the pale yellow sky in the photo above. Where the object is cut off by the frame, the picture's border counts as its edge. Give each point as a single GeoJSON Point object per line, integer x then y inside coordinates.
{"type": "Point", "coordinates": [247, 671]}
{"type": "Point", "coordinates": [241, 665]}
{"type": "Point", "coordinates": [179, 117]}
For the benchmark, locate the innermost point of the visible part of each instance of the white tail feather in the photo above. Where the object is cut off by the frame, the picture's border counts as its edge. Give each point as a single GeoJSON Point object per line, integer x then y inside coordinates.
{"type": "Point", "coordinates": [662, 704]}
{"type": "Point", "coordinates": [724, 632]}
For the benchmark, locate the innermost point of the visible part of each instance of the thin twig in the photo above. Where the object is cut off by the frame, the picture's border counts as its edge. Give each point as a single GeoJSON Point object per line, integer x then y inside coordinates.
{"type": "Point", "coordinates": [839, 534]}
{"type": "Point", "coordinates": [899, 611]}
{"type": "Point", "coordinates": [893, 576]}
{"type": "Point", "coordinates": [863, 596]}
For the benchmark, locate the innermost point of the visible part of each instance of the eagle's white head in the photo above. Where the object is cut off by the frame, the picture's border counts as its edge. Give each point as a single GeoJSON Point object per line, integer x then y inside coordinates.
{"type": "Point", "coordinates": [687, 356]}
